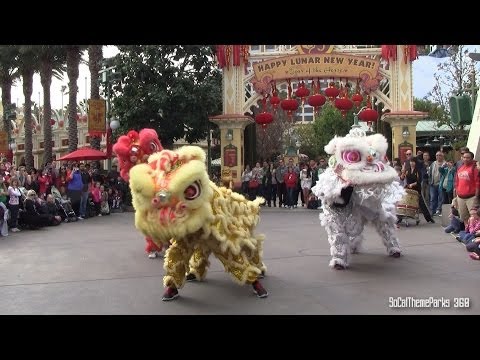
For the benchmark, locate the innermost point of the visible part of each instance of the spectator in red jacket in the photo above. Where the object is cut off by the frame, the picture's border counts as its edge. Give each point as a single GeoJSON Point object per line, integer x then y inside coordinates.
{"type": "Point", "coordinates": [290, 178]}
{"type": "Point", "coordinates": [467, 186]}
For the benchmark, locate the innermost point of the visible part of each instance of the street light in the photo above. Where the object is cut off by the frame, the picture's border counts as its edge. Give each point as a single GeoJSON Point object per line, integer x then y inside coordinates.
{"type": "Point", "coordinates": [405, 133]}
{"type": "Point", "coordinates": [113, 125]}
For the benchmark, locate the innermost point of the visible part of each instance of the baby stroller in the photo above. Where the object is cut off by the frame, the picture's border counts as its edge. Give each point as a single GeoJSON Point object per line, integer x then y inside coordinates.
{"type": "Point", "coordinates": [408, 208]}
{"type": "Point", "coordinates": [64, 206]}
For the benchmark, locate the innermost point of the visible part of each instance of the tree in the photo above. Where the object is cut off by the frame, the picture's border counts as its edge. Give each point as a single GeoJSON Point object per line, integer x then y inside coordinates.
{"type": "Point", "coordinates": [8, 74]}
{"type": "Point", "coordinates": [171, 88]}
{"type": "Point", "coordinates": [95, 56]}
{"type": "Point", "coordinates": [328, 123]}
{"type": "Point", "coordinates": [52, 63]}
{"type": "Point", "coordinates": [74, 55]}
{"type": "Point", "coordinates": [454, 77]}
{"type": "Point", "coordinates": [308, 141]}
{"type": "Point", "coordinates": [273, 139]}
{"type": "Point", "coordinates": [28, 64]}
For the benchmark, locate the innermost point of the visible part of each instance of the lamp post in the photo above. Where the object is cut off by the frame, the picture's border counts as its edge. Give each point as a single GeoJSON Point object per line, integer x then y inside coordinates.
{"type": "Point", "coordinates": [111, 124]}
{"type": "Point", "coordinates": [114, 125]}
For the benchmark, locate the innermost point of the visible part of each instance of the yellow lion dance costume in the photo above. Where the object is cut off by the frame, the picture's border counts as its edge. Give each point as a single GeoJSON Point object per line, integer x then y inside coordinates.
{"type": "Point", "coordinates": [175, 202]}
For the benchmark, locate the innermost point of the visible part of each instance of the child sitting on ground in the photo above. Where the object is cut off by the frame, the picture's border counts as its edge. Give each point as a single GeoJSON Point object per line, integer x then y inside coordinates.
{"type": "Point", "coordinates": [312, 202]}
{"type": "Point", "coordinates": [456, 224]}
{"type": "Point", "coordinates": [473, 248]}
{"type": "Point", "coordinates": [472, 227]}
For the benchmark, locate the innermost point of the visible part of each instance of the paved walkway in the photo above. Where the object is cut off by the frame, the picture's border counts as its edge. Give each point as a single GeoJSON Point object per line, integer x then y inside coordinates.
{"type": "Point", "coordinates": [98, 267]}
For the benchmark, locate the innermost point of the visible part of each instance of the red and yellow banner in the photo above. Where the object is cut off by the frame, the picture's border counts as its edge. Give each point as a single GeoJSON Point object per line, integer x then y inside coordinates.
{"type": "Point", "coordinates": [97, 111]}
{"type": "Point", "coordinates": [4, 142]}
{"type": "Point", "coordinates": [332, 65]}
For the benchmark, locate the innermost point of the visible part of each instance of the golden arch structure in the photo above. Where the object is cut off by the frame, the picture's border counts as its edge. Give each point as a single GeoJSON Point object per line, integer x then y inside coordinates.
{"type": "Point", "coordinates": [384, 73]}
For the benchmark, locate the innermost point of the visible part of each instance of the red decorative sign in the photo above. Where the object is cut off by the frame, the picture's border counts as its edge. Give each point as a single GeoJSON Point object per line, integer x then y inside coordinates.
{"type": "Point", "coordinates": [402, 149]}
{"type": "Point", "coordinates": [96, 117]}
{"type": "Point", "coordinates": [230, 155]}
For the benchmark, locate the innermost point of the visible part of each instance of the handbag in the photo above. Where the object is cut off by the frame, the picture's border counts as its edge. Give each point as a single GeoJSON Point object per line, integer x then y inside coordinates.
{"type": "Point", "coordinates": [253, 184]}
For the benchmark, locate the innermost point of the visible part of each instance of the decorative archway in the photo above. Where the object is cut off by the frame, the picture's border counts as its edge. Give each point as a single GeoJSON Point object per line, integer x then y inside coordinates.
{"type": "Point", "coordinates": [383, 72]}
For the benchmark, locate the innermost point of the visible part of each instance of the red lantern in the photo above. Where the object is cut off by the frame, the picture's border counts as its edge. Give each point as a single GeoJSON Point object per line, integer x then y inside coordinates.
{"type": "Point", "coordinates": [357, 99]}
{"type": "Point", "coordinates": [274, 101]}
{"type": "Point", "coordinates": [52, 122]}
{"type": "Point", "coordinates": [289, 105]}
{"type": "Point", "coordinates": [60, 123]}
{"type": "Point", "coordinates": [264, 118]}
{"type": "Point", "coordinates": [302, 92]}
{"type": "Point", "coordinates": [332, 92]}
{"type": "Point", "coordinates": [343, 104]}
{"type": "Point", "coordinates": [368, 115]}
{"type": "Point", "coordinates": [17, 131]}
{"type": "Point", "coordinates": [38, 128]}
{"type": "Point", "coordinates": [317, 101]}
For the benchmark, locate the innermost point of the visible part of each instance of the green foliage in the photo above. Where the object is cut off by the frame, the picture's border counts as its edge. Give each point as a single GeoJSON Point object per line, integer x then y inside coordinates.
{"type": "Point", "coordinates": [453, 77]}
{"type": "Point", "coordinates": [328, 123]}
{"type": "Point", "coordinates": [306, 136]}
{"type": "Point", "coordinates": [171, 88]}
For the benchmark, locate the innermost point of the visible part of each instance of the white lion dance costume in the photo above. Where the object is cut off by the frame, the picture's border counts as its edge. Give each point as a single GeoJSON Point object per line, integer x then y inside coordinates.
{"type": "Point", "coordinates": [359, 186]}
{"type": "Point", "coordinates": [175, 202]}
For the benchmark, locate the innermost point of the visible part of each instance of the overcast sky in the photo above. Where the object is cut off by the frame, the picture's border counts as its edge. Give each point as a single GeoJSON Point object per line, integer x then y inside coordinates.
{"type": "Point", "coordinates": [423, 81]}
{"type": "Point", "coordinates": [55, 90]}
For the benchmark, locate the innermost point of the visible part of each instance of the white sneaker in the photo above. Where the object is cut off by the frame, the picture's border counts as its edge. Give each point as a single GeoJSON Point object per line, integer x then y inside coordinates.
{"type": "Point", "coordinates": [152, 255]}
{"type": "Point", "coordinates": [15, 230]}
{"type": "Point", "coordinates": [80, 218]}
{"type": "Point", "coordinates": [99, 215]}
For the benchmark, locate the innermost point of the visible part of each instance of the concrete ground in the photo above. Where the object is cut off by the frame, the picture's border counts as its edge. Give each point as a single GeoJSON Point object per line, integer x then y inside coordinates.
{"type": "Point", "coordinates": [98, 266]}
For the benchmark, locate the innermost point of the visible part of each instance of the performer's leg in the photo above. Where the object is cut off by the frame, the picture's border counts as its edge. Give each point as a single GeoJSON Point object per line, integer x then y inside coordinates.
{"type": "Point", "coordinates": [198, 263]}
{"type": "Point", "coordinates": [334, 220]}
{"type": "Point", "coordinates": [354, 229]}
{"type": "Point", "coordinates": [151, 248]}
{"type": "Point", "coordinates": [245, 268]}
{"type": "Point", "coordinates": [176, 266]}
{"type": "Point", "coordinates": [386, 227]}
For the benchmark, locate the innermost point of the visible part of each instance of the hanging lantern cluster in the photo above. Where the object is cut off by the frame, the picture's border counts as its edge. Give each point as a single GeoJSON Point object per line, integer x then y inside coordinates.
{"type": "Point", "coordinates": [339, 97]}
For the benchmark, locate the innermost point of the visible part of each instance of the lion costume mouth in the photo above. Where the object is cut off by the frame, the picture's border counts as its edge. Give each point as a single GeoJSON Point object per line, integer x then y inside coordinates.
{"type": "Point", "coordinates": [376, 167]}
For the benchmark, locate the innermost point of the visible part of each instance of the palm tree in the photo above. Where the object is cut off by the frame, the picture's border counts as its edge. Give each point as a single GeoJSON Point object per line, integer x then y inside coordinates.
{"type": "Point", "coordinates": [95, 56]}
{"type": "Point", "coordinates": [8, 74]}
{"type": "Point", "coordinates": [74, 54]}
{"type": "Point", "coordinates": [52, 63]}
{"type": "Point", "coordinates": [28, 63]}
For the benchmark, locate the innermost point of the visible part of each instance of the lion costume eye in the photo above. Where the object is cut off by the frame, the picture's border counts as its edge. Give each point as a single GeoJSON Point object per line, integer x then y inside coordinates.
{"type": "Point", "coordinates": [193, 191]}
{"type": "Point", "coordinates": [153, 147]}
{"type": "Point", "coordinates": [351, 156]}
